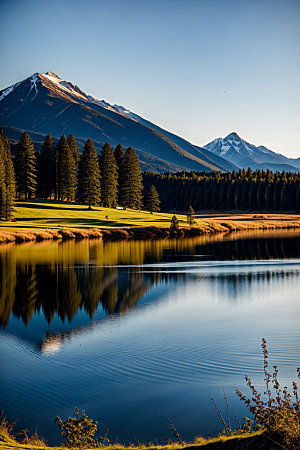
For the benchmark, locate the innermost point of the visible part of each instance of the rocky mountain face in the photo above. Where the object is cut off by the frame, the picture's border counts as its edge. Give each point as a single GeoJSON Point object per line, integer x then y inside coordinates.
{"type": "Point", "coordinates": [44, 103]}
{"type": "Point", "coordinates": [239, 152]}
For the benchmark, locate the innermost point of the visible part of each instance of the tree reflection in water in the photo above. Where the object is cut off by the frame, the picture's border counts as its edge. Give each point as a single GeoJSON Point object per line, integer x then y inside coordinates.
{"type": "Point", "coordinates": [59, 279]}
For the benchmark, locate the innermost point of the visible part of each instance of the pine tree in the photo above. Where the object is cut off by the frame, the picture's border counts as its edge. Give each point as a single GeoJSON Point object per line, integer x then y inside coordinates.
{"type": "Point", "coordinates": [298, 198]}
{"type": "Point", "coordinates": [133, 186]}
{"type": "Point", "coordinates": [47, 168]}
{"type": "Point", "coordinates": [191, 218]}
{"type": "Point", "coordinates": [120, 160]}
{"type": "Point", "coordinates": [109, 177]}
{"type": "Point", "coordinates": [89, 176]}
{"type": "Point", "coordinates": [152, 199]}
{"type": "Point", "coordinates": [67, 177]}
{"type": "Point", "coordinates": [74, 150]}
{"type": "Point", "coordinates": [2, 183]}
{"type": "Point", "coordinates": [283, 197]}
{"type": "Point", "coordinates": [174, 223]}
{"type": "Point", "coordinates": [10, 182]}
{"type": "Point", "coordinates": [25, 164]}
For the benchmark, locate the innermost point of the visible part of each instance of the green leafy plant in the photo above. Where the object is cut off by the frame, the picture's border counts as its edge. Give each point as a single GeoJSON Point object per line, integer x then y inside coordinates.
{"type": "Point", "coordinates": [79, 432]}
{"type": "Point", "coordinates": [277, 413]}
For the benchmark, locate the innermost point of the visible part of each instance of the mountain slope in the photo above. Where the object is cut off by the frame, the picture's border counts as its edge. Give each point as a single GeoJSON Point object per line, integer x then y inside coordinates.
{"type": "Point", "coordinates": [44, 103]}
{"type": "Point", "coordinates": [243, 154]}
{"type": "Point", "coordinates": [147, 161]}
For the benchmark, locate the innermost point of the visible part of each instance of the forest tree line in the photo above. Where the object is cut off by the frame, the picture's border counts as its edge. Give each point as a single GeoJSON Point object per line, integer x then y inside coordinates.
{"type": "Point", "coordinates": [244, 190]}
{"type": "Point", "coordinates": [60, 172]}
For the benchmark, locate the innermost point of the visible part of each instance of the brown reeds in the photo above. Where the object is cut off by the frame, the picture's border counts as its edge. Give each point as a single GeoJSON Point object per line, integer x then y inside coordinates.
{"type": "Point", "coordinates": [149, 232]}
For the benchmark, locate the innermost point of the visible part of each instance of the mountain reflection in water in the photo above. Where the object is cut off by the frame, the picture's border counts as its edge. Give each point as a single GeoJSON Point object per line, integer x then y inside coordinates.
{"type": "Point", "coordinates": [58, 279]}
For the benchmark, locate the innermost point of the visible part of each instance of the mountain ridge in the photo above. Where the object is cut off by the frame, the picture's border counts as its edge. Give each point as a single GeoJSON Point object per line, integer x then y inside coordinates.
{"type": "Point", "coordinates": [44, 103]}
{"type": "Point", "coordinates": [244, 154]}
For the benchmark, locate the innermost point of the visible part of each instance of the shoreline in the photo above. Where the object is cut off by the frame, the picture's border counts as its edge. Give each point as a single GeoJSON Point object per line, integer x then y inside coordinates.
{"type": "Point", "coordinates": [211, 226]}
{"type": "Point", "coordinates": [248, 440]}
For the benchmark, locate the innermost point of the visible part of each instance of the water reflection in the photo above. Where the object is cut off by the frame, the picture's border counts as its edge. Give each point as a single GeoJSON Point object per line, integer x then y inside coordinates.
{"type": "Point", "coordinates": [60, 279]}
{"type": "Point", "coordinates": [117, 326]}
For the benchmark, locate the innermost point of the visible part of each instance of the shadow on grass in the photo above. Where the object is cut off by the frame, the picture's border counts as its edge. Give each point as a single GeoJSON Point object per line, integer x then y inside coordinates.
{"type": "Point", "coordinates": [59, 206]}
{"type": "Point", "coordinates": [72, 223]}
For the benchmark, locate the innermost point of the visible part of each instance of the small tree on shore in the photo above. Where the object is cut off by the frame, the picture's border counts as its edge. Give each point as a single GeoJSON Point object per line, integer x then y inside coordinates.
{"type": "Point", "coordinates": [174, 223]}
{"type": "Point", "coordinates": [152, 199]}
{"type": "Point", "coordinates": [191, 218]}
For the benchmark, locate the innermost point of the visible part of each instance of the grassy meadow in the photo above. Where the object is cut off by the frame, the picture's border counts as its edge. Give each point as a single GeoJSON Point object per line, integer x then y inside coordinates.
{"type": "Point", "coordinates": [42, 214]}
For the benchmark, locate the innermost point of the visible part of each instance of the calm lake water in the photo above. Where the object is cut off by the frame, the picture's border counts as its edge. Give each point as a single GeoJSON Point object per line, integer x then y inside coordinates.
{"type": "Point", "coordinates": [133, 332]}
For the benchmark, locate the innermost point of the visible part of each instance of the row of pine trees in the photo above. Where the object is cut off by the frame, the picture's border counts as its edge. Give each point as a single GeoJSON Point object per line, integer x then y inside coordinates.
{"type": "Point", "coordinates": [114, 178]}
{"type": "Point", "coordinates": [243, 190]}
{"type": "Point", "coordinates": [59, 172]}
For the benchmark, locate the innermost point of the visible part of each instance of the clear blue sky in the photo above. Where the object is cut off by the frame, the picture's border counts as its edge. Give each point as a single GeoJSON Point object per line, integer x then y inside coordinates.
{"type": "Point", "coordinates": [199, 68]}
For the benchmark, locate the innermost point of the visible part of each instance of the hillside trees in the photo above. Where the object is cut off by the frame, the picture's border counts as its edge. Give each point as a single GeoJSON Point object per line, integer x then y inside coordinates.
{"type": "Point", "coordinates": [89, 176]}
{"type": "Point", "coordinates": [109, 173]}
{"type": "Point", "coordinates": [243, 190]}
{"type": "Point", "coordinates": [25, 167]}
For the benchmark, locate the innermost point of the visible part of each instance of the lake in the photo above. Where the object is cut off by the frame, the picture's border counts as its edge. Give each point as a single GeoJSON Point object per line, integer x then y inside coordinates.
{"type": "Point", "coordinates": [136, 331]}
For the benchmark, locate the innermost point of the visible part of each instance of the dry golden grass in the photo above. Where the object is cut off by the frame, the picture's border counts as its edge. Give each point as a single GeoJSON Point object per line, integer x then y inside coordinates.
{"type": "Point", "coordinates": [32, 218]}
{"type": "Point", "coordinates": [150, 232]}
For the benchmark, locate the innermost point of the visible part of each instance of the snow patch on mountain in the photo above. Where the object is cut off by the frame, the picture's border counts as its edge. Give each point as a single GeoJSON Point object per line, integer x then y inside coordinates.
{"type": "Point", "coordinates": [33, 81]}
{"type": "Point", "coordinates": [126, 112]}
{"type": "Point", "coordinates": [74, 91]}
{"type": "Point", "coordinates": [9, 90]}
{"type": "Point", "coordinates": [244, 154]}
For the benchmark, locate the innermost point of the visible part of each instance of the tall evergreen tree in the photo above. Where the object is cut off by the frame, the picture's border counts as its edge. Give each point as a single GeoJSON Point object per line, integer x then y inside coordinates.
{"type": "Point", "coordinates": [120, 160]}
{"type": "Point", "coordinates": [2, 184]}
{"type": "Point", "coordinates": [47, 168]}
{"type": "Point", "coordinates": [89, 176]}
{"type": "Point", "coordinates": [109, 177]}
{"type": "Point", "coordinates": [10, 182]}
{"type": "Point", "coordinates": [74, 150]}
{"type": "Point", "coordinates": [133, 186]}
{"type": "Point", "coordinates": [191, 218]}
{"type": "Point", "coordinates": [25, 166]}
{"type": "Point", "coordinates": [67, 177]}
{"type": "Point", "coordinates": [152, 199]}
{"type": "Point", "coordinates": [298, 198]}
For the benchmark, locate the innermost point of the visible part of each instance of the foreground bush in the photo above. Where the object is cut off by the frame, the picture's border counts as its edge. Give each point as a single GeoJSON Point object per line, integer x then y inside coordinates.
{"type": "Point", "coordinates": [278, 414]}
{"type": "Point", "coordinates": [80, 431]}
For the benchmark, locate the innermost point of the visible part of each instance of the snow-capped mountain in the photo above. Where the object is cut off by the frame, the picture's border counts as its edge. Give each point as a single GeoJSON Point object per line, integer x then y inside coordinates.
{"type": "Point", "coordinates": [239, 152]}
{"type": "Point", "coordinates": [45, 103]}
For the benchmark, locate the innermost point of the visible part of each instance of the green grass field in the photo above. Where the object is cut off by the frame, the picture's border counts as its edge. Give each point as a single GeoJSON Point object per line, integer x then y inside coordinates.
{"type": "Point", "coordinates": [39, 214]}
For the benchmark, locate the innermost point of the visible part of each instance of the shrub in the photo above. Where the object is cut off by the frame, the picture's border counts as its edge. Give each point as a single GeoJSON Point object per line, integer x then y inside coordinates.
{"type": "Point", "coordinates": [174, 223]}
{"type": "Point", "coordinates": [80, 431]}
{"type": "Point", "coordinates": [278, 414]}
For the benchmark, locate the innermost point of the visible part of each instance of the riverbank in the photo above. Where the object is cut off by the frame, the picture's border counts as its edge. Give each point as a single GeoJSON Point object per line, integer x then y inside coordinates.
{"type": "Point", "coordinates": [15, 235]}
{"type": "Point", "coordinates": [37, 220]}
